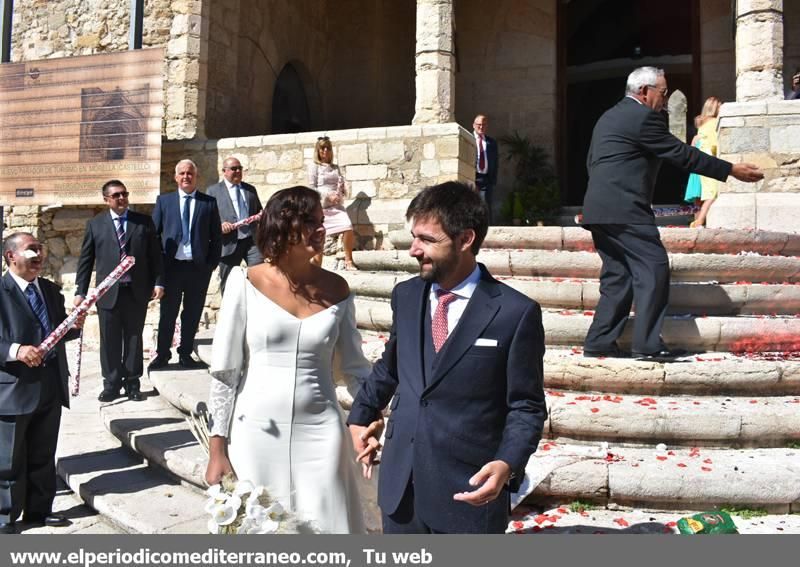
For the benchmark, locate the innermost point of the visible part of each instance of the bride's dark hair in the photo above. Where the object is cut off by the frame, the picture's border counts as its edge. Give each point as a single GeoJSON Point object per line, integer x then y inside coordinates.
{"type": "Point", "coordinates": [282, 221]}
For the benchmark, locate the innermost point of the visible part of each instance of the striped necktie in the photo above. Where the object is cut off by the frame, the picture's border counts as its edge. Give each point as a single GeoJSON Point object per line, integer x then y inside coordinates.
{"type": "Point", "coordinates": [121, 238]}
{"type": "Point", "coordinates": [38, 307]}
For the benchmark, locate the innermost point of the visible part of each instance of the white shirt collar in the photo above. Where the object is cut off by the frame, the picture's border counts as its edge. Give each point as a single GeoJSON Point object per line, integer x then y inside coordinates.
{"type": "Point", "coordinates": [185, 194]}
{"type": "Point", "coordinates": [228, 184]}
{"type": "Point", "coordinates": [115, 216]}
{"type": "Point", "coordinates": [466, 288]}
{"type": "Point", "coordinates": [23, 284]}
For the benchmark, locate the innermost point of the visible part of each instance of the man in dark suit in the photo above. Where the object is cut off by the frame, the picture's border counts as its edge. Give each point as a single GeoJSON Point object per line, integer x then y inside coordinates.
{"type": "Point", "coordinates": [109, 238]}
{"type": "Point", "coordinates": [486, 160]}
{"type": "Point", "coordinates": [33, 387]}
{"type": "Point", "coordinates": [629, 143]}
{"type": "Point", "coordinates": [464, 364]}
{"type": "Point", "coordinates": [236, 200]}
{"type": "Point", "coordinates": [191, 239]}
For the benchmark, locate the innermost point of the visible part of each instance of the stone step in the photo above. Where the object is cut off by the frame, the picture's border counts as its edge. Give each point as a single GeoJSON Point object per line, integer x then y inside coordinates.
{"type": "Point", "coordinates": [683, 240]}
{"type": "Point", "coordinates": [134, 495]}
{"type": "Point", "coordinates": [722, 268]}
{"type": "Point", "coordinates": [583, 294]}
{"type": "Point", "coordinates": [712, 373]}
{"type": "Point", "coordinates": [697, 334]}
{"type": "Point", "coordinates": [744, 421]}
{"type": "Point", "coordinates": [673, 478]}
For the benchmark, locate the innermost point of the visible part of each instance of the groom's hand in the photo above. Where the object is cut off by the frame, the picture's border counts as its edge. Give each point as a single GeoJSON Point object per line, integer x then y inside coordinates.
{"type": "Point", "coordinates": [366, 445]}
{"type": "Point", "coordinates": [490, 479]}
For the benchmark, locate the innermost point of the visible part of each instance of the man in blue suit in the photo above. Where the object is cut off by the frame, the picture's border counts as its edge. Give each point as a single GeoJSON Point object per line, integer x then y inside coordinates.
{"type": "Point", "coordinates": [486, 160]}
{"type": "Point", "coordinates": [191, 239]}
{"type": "Point", "coordinates": [464, 364]}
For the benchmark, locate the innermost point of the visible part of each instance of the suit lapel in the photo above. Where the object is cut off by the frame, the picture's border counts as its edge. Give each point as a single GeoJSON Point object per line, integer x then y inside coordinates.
{"type": "Point", "coordinates": [480, 311]}
{"type": "Point", "coordinates": [416, 319]}
{"type": "Point", "coordinates": [230, 211]}
{"type": "Point", "coordinates": [16, 296]}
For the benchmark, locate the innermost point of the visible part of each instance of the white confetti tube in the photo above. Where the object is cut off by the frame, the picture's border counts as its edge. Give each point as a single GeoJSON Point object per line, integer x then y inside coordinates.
{"type": "Point", "coordinates": [91, 298]}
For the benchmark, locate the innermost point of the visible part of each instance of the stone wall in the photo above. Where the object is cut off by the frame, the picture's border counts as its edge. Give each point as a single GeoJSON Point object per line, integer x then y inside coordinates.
{"type": "Point", "coordinates": [767, 134]}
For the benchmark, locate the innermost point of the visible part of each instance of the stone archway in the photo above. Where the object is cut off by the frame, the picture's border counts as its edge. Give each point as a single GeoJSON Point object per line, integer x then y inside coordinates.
{"type": "Point", "coordinates": [290, 113]}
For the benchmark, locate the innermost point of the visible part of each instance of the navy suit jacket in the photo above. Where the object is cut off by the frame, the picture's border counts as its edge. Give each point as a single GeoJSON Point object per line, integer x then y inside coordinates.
{"type": "Point", "coordinates": [206, 229]}
{"type": "Point", "coordinates": [629, 142]}
{"type": "Point", "coordinates": [492, 161]}
{"type": "Point", "coordinates": [20, 386]}
{"type": "Point", "coordinates": [481, 403]}
{"type": "Point", "coordinates": [101, 247]}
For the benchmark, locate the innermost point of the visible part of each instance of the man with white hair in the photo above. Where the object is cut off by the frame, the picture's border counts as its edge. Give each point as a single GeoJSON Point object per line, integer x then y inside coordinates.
{"type": "Point", "coordinates": [191, 239]}
{"type": "Point", "coordinates": [629, 143]}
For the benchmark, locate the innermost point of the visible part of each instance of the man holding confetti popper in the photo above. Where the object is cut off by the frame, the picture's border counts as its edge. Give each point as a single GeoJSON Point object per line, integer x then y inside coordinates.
{"type": "Point", "coordinates": [33, 385]}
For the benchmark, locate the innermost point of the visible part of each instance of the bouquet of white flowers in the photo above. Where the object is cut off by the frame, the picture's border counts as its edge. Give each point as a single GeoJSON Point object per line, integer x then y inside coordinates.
{"type": "Point", "coordinates": [238, 507]}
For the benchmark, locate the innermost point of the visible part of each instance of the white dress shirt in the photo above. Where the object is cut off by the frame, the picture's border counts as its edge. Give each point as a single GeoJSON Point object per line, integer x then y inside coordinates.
{"type": "Point", "coordinates": [23, 285]}
{"type": "Point", "coordinates": [456, 308]}
{"type": "Point", "coordinates": [185, 250]}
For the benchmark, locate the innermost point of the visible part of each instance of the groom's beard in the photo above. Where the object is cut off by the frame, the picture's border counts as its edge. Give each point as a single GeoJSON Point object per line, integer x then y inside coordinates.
{"type": "Point", "coordinates": [437, 270]}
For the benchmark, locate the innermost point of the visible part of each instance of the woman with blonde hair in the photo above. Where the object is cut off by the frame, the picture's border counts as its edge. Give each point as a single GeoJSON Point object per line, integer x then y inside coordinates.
{"type": "Point", "coordinates": [699, 188]}
{"type": "Point", "coordinates": [325, 177]}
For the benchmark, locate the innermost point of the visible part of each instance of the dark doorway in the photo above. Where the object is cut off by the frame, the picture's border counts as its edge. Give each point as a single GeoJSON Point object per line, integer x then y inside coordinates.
{"type": "Point", "coordinates": [600, 43]}
{"type": "Point", "coordinates": [289, 103]}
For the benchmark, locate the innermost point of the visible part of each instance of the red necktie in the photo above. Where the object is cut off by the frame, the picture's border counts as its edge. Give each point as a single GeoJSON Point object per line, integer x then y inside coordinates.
{"type": "Point", "coordinates": [481, 154]}
{"type": "Point", "coordinates": [439, 321]}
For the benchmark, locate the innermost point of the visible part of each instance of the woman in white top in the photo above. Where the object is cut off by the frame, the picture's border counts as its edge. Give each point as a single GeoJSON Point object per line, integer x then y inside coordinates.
{"type": "Point", "coordinates": [284, 328]}
{"type": "Point", "coordinates": [325, 177]}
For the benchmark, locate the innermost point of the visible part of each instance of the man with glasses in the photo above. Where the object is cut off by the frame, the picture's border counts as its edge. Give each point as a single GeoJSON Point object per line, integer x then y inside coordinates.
{"type": "Point", "coordinates": [629, 143]}
{"type": "Point", "coordinates": [109, 238]}
{"type": "Point", "coordinates": [236, 200]}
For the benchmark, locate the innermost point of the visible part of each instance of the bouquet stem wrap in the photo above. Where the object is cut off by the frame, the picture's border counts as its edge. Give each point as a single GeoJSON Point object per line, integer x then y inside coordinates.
{"type": "Point", "coordinates": [680, 210]}
{"type": "Point", "coordinates": [91, 298]}
{"type": "Point", "coordinates": [249, 220]}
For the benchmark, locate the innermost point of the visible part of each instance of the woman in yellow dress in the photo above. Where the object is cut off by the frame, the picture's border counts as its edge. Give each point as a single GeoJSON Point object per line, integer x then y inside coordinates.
{"type": "Point", "coordinates": [707, 142]}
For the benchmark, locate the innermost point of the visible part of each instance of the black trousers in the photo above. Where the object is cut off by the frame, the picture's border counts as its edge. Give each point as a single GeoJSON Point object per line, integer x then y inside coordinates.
{"type": "Point", "coordinates": [245, 250]}
{"type": "Point", "coordinates": [121, 356]}
{"type": "Point", "coordinates": [28, 457]}
{"type": "Point", "coordinates": [188, 283]}
{"type": "Point", "coordinates": [482, 183]}
{"type": "Point", "coordinates": [635, 270]}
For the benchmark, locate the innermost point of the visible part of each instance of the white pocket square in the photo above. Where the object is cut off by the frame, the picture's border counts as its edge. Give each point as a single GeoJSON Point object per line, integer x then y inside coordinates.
{"type": "Point", "coordinates": [486, 342]}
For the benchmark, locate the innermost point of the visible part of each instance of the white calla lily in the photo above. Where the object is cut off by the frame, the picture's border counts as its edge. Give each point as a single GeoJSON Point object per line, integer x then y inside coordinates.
{"type": "Point", "coordinates": [243, 487]}
{"type": "Point", "coordinates": [224, 514]}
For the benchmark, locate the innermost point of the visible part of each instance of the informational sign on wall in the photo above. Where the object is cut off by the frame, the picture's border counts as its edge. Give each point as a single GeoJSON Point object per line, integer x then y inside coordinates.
{"type": "Point", "coordinates": [69, 125]}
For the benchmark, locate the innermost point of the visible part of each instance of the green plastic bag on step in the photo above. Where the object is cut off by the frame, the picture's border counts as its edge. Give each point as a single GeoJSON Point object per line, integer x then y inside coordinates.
{"type": "Point", "coordinates": [714, 522]}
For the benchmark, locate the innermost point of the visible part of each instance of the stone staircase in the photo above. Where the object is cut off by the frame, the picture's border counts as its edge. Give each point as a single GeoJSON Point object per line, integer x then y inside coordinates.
{"type": "Point", "coordinates": [719, 428]}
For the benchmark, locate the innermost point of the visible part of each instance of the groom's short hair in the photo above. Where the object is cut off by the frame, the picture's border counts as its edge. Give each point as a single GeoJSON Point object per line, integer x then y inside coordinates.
{"type": "Point", "coordinates": [457, 206]}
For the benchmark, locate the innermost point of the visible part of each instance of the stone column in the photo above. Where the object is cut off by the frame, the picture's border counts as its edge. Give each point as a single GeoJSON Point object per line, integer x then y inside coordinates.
{"type": "Point", "coordinates": [435, 63]}
{"type": "Point", "coordinates": [186, 71]}
{"type": "Point", "coordinates": [759, 50]}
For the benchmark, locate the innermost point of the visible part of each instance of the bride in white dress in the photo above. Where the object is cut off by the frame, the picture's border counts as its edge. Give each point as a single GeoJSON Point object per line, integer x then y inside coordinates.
{"type": "Point", "coordinates": [283, 329]}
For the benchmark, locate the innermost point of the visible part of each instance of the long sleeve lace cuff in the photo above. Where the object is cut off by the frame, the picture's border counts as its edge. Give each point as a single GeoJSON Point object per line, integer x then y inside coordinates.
{"type": "Point", "coordinates": [221, 400]}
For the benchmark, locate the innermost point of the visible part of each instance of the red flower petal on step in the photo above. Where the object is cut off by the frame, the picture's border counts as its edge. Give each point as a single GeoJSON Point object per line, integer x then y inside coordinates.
{"type": "Point", "coordinates": [661, 458]}
{"type": "Point", "coordinates": [705, 469]}
{"type": "Point", "coordinates": [536, 529]}
{"type": "Point", "coordinates": [517, 525]}
{"type": "Point", "coordinates": [682, 465]}
{"type": "Point", "coordinates": [563, 511]}
{"type": "Point", "coordinates": [671, 524]}
{"type": "Point", "coordinates": [671, 453]}
{"type": "Point", "coordinates": [753, 401]}
{"type": "Point", "coordinates": [708, 461]}
{"type": "Point", "coordinates": [589, 313]}
{"type": "Point", "coordinates": [571, 404]}
{"type": "Point", "coordinates": [540, 519]}
{"type": "Point", "coordinates": [652, 408]}
{"type": "Point", "coordinates": [595, 410]}
{"type": "Point", "coordinates": [621, 522]}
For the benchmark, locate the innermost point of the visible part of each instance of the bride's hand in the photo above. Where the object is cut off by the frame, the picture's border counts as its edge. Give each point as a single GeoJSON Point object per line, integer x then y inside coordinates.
{"type": "Point", "coordinates": [218, 463]}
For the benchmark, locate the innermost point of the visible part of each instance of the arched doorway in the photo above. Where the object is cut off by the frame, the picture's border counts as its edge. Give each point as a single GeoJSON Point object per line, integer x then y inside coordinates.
{"type": "Point", "coordinates": [289, 103]}
{"type": "Point", "coordinates": [600, 43]}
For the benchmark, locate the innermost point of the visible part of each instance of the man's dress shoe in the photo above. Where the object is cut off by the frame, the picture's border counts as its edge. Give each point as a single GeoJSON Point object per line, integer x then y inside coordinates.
{"type": "Point", "coordinates": [50, 520]}
{"type": "Point", "coordinates": [664, 354]}
{"type": "Point", "coordinates": [158, 363]}
{"type": "Point", "coordinates": [108, 396]}
{"type": "Point", "coordinates": [134, 395]}
{"type": "Point", "coordinates": [186, 361]}
{"type": "Point", "coordinates": [610, 353]}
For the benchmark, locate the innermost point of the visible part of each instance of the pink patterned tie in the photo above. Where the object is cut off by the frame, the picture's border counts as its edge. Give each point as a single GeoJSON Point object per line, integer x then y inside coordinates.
{"type": "Point", "coordinates": [439, 321]}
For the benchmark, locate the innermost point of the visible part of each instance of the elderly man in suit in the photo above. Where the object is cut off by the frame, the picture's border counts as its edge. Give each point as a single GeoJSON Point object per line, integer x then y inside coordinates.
{"type": "Point", "coordinates": [236, 200]}
{"type": "Point", "coordinates": [464, 364]}
{"type": "Point", "coordinates": [486, 160]}
{"type": "Point", "coordinates": [33, 386]}
{"type": "Point", "coordinates": [629, 143]}
{"type": "Point", "coordinates": [191, 239]}
{"type": "Point", "coordinates": [109, 238]}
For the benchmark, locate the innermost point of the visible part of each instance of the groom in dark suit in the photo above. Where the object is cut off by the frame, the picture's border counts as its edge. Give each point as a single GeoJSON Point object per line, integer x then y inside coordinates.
{"type": "Point", "coordinates": [33, 388]}
{"type": "Point", "coordinates": [464, 364]}
{"type": "Point", "coordinates": [191, 239]}
{"type": "Point", "coordinates": [111, 236]}
{"type": "Point", "coordinates": [236, 200]}
{"type": "Point", "coordinates": [629, 143]}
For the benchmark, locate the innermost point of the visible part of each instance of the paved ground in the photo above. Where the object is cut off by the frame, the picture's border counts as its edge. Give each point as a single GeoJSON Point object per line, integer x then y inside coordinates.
{"type": "Point", "coordinates": [563, 519]}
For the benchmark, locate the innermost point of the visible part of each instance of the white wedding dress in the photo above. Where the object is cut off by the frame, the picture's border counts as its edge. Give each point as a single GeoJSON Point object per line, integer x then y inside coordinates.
{"type": "Point", "coordinates": [273, 396]}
